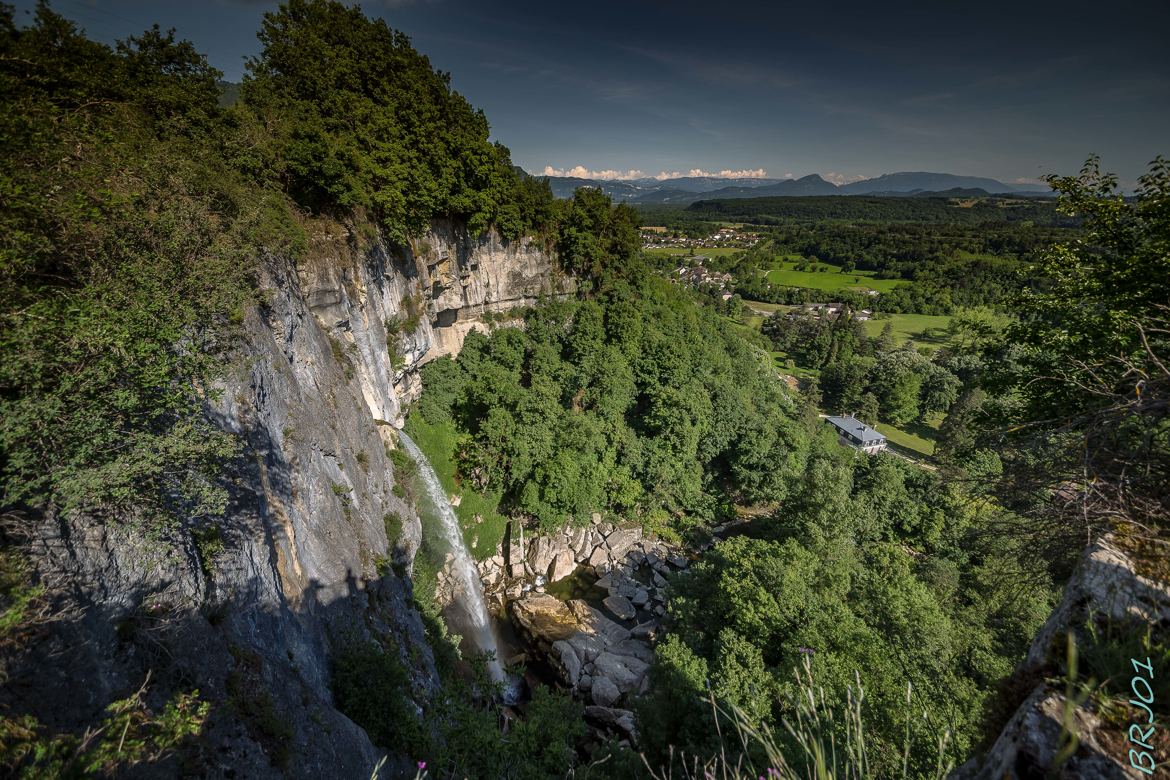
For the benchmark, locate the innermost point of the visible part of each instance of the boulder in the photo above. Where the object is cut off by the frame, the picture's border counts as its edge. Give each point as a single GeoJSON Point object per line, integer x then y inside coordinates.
{"type": "Point", "coordinates": [545, 617]}
{"type": "Point", "coordinates": [579, 542]}
{"type": "Point", "coordinates": [541, 552]}
{"type": "Point", "coordinates": [613, 718]}
{"type": "Point", "coordinates": [593, 621]}
{"type": "Point", "coordinates": [640, 598]}
{"type": "Point", "coordinates": [584, 683]}
{"type": "Point", "coordinates": [587, 646]}
{"type": "Point", "coordinates": [605, 528]}
{"type": "Point", "coordinates": [628, 590]}
{"type": "Point", "coordinates": [647, 630]}
{"type": "Point", "coordinates": [624, 671]}
{"type": "Point", "coordinates": [633, 647]}
{"type": "Point", "coordinates": [658, 579]}
{"type": "Point", "coordinates": [604, 692]}
{"type": "Point", "coordinates": [621, 540]}
{"type": "Point", "coordinates": [595, 518]}
{"type": "Point", "coordinates": [677, 561]}
{"type": "Point", "coordinates": [569, 661]}
{"type": "Point", "coordinates": [620, 606]}
{"type": "Point", "coordinates": [599, 558]}
{"type": "Point", "coordinates": [563, 565]}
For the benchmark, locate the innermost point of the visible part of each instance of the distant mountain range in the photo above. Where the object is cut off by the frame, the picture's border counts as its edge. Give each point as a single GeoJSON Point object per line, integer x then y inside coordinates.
{"type": "Point", "coordinates": [687, 190]}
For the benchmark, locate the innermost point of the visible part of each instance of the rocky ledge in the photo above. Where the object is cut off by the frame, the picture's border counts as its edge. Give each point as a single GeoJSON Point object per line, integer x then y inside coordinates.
{"type": "Point", "coordinates": [601, 650]}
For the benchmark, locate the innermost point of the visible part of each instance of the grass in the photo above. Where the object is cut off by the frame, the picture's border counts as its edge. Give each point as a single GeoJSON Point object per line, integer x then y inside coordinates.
{"type": "Point", "coordinates": [908, 327]}
{"type": "Point", "coordinates": [784, 273]}
{"type": "Point", "coordinates": [815, 742]}
{"type": "Point", "coordinates": [438, 442]}
{"type": "Point", "coordinates": [685, 251]}
{"type": "Point", "coordinates": [768, 308]}
{"type": "Point", "coordinates": [916, 437]}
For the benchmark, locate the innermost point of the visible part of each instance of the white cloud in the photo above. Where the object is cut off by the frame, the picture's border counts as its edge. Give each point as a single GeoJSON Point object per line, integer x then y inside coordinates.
{"type": "Point", "coordinates": [580, 171]}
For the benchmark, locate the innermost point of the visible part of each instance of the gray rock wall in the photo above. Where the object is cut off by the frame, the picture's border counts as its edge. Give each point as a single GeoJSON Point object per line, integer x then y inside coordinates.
{"type": "Point", "coordinates": [249, 611]}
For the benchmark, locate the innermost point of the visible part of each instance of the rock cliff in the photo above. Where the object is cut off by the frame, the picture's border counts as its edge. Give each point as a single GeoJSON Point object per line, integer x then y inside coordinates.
{"type": "Point", "coordinates": [316, 546]}
{"type": "Point", "coordinates": [1107, 588]}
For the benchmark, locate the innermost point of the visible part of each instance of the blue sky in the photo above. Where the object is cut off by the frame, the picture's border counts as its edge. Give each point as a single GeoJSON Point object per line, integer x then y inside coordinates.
{"type": "Point", "coordinates": [845, 89]}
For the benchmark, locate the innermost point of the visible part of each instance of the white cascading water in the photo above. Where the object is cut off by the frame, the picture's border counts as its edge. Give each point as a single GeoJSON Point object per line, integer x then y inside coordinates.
{"type": "Point", "coordinates": [468, 594]}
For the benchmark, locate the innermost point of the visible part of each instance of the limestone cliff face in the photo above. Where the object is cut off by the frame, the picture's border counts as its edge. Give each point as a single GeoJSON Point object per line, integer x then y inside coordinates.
{"type": "Point", "coordinates": [251, 610]}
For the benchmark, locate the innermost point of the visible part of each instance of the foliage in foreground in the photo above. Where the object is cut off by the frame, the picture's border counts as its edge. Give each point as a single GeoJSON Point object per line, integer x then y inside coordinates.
{"type": "Point", "coordinates": [816, 741]}
{"type": "Point", "coordinates": [129, 735]}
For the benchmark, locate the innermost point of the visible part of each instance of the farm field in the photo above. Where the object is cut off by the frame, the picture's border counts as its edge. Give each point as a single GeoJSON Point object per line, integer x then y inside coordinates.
{"type": "Point", "coordinates": [909, 326]}
{"type": "Point", "coordinates": [784, 273]}
{"type": "Point", "coordinates": [684, 251]}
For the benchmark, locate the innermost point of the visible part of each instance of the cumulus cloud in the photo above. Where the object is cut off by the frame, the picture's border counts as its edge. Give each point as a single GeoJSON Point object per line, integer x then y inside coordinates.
{"type": "Point", "coordinates": [581, 172]}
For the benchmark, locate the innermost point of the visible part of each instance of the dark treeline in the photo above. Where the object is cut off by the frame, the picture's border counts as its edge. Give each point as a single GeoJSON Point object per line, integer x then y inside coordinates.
{"type": "Point", "coordinates": [774, 211]}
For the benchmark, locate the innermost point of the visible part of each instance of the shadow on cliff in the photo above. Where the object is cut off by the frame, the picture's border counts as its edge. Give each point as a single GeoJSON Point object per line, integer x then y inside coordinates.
{"type": "Point", "coordinates": [172, 608]}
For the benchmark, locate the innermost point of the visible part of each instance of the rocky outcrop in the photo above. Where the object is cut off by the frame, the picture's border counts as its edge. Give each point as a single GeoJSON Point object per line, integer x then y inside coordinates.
{"type": "Point", "coordinates": [1106, 587]}
{"type": "Point", "coordinates": [250, 609]}
{"type": "Point", "coordinates": [602, 651]}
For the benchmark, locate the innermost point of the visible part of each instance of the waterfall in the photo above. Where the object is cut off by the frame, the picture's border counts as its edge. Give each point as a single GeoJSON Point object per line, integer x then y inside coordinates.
{"type": "Point", "coordinates": [468, 597]}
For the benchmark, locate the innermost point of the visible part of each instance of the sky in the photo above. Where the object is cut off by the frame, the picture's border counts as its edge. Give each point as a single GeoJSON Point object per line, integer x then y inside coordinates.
{"type": "Point", "coordinates": [849, 90]}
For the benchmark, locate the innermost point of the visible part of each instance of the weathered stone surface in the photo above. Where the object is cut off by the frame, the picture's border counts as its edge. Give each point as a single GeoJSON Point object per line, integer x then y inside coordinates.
{"type": "Point", "coordinates": [605, 692]}
{"type": "Point", "coordinates": [605, 529]}
{"type": "Point", "coordinates": [620, 606]}
{"type": "Point", "coordinates": [544, 617]}
{"type": "Point", "coordinates": [584, 683]}
{"type": "Point", "coordinates": [624, 671]}
{"type": "Point", "coordinates": [595, 518]}
{"type": "Point", "coordinates": [633, 647]}
{"type": "Point", "coordinates": [599, 558]}
{"type": "Point", "coordinates": [563, 565]}
{"type": "Point", "coordinates": [677, 561]}
{"type": "Point", "coordinates": [1105, 585]}
{"type": "Point", "coordinates": [640, 598]}
{"type": "Point", "coordinates": [300, 567]}
{"type": "Point", "coordinates": [587, 645]}
{"type": "Point", "coordinates": [614, 718]}
{"type": "Point", "coordinates": [592, 620]}
{"type": "Point", "coordinates": [541, 552]}
{"type": "Point", "coordinates": [621, 540]}
{"type": "Point", "coordinates": [647, 630]}
{"type": "Point", "coordinates": [579, 543]}
{"type": "Point", "coordinates": [658, 579]}
{"type": "Point", "coordinates": [569, 661]}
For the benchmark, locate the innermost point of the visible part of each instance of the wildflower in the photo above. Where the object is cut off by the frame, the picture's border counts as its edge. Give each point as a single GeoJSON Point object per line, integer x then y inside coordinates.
{"type": "Point", "coordinates": [805, 650]}
{"type": "Point", "coordinates": [422, 765]}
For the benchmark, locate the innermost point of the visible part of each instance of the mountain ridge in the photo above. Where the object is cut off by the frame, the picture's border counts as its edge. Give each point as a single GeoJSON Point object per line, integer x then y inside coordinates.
{"type": "Point", "coordinates": [688, 189]}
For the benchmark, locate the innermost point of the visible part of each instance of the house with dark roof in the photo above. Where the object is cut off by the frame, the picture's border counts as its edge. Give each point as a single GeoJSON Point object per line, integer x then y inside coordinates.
{"type": "Point", "coordinates": [852, 432]}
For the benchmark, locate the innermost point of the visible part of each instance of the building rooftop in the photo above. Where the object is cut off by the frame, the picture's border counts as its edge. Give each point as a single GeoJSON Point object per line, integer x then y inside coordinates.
{"type": "Point", "coordinates": [851, 425]}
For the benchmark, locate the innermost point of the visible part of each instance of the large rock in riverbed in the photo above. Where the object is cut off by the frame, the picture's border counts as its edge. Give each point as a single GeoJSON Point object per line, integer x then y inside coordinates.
{"type": "Point", "coordinates": [541, 552]}
{"type": "Point", "coordinates": [562, 565]}
{"type": "Point", "coordinates": [544, 617]}
{"type": "Point", "coordinates": [620, 606]}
